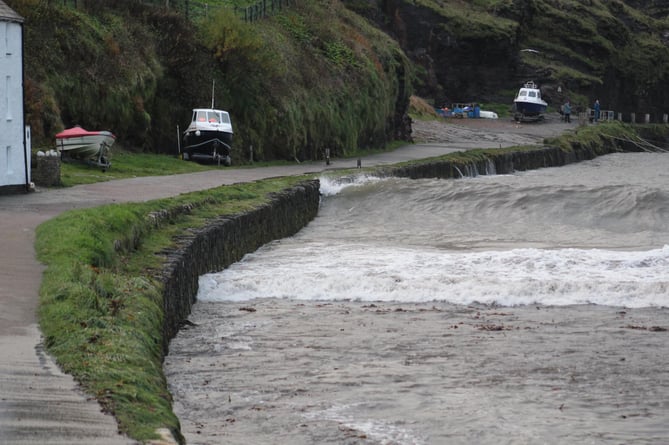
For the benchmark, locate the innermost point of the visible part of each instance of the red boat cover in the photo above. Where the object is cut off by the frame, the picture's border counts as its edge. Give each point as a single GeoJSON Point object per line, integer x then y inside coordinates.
{"type": "Point", "coordinates": [76, 132]}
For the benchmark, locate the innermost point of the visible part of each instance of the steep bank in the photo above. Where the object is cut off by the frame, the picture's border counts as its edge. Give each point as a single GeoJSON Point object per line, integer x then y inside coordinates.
{"type": "Point", "coordinates": [292, 86]}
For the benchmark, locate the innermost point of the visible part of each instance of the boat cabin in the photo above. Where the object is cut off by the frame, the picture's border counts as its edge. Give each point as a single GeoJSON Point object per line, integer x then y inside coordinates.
{"type": "Point", "coordinates": [531, 91]}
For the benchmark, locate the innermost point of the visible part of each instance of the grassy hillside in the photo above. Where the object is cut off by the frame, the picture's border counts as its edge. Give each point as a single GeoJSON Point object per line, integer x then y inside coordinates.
{"type": "Point", "coordinates": [138, 69]}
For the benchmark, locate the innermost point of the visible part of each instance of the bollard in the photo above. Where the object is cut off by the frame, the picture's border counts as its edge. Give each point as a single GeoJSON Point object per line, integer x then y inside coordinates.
{"type": "Point", "coordinates": [251, 154]}
{"type": "Point", "coordinates": [633, 118]}
{"type": "Point", "coordinates": [665, 118]}
{"type": "Point", "coordinates": [359, 163]}
{"type": "Point", "coordinates": [646, 118]}
{"type": "Point", "coordinates": [327, 156]}
{"type": "Point", "coordinates": [620, 116]}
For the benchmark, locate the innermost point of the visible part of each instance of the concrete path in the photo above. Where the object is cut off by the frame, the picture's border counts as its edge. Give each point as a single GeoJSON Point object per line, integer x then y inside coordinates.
{"type": "Point", "coordinates": [38, 403]}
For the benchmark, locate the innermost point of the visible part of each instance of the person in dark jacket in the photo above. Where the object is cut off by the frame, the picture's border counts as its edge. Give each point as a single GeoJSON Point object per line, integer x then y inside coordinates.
{"type": "Point", "coordinates": [566, 109]}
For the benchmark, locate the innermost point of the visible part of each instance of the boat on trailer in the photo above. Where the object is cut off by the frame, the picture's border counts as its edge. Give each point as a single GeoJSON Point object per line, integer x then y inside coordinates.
{"type": "Point", "coordinates": [528, 104]}
{"type": "Point", "coordinates": [92, 147]}
{"type": "Point", "coordinates": [208, 138]}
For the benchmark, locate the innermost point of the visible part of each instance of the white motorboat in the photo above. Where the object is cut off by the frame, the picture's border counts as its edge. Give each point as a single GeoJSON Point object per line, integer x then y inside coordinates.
{"type": "Point", "coordinates": [528, 103]}
{"type": "Point", "coordinates": [90, 146]}
{"type": "Point", "coordinates": [208, 138]}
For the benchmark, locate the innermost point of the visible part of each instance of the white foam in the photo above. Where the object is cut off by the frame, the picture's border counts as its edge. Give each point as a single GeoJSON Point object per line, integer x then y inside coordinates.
{"type": "Point", "coordinates": [508, 278]}
{"type": "Point", "coordinates": [380, 431]}
{"type": "Point", "coordinates": [330, 186]}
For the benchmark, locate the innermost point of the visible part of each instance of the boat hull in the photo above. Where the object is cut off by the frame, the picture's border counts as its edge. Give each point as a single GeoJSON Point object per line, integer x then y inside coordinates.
{"type": "Point", "coordinates": [530, 108]}
{"type": "Point", "coordinates": [90, 146]}
{"type": "Point", "coordinates": [208, 146]}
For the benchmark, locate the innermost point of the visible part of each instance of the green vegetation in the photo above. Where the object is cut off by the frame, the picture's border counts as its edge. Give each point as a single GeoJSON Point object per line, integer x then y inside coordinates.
{"type": "Point", "coordinates": [101, 306]}
{"type": "Point", "coordinates": [595, 136]}
{"type": "Point", "coordinates": [128, 165]}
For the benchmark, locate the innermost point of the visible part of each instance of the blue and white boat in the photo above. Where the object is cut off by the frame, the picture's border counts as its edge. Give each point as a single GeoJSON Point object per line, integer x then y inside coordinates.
{"type": "Point", "coordinates": [528, 103]}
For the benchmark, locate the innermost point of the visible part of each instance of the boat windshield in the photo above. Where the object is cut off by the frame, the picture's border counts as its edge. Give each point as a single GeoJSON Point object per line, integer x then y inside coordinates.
{"type": "Point", "coordinates": [211, 116]}
{"type": "Point", "coordinates": [533, 94]}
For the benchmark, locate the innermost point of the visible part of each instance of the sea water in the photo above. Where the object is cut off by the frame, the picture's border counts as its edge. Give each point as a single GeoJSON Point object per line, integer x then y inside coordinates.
{"type": "Point", "coordinates": [524, 308]}
{"type": "Point", "coordinates": [595, 232]}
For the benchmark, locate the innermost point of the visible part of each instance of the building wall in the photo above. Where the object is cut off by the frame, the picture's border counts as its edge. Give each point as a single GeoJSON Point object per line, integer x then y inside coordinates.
{"type": "Point", "coordinates": [13, 169]}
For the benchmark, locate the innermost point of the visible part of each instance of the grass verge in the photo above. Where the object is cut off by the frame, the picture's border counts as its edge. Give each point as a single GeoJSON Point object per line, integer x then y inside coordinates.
{"type": "Point", "coordinates": [101, 304]}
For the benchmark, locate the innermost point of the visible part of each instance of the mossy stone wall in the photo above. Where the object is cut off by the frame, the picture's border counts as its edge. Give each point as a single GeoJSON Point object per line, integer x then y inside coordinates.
{"type": "Point", "coordinates": [225, 241]}
{"type": "Point", "coordinates": [508, 162]}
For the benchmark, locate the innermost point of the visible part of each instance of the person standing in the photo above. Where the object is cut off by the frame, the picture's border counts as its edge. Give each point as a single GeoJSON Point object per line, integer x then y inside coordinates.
{"type": "Point", "coordinates": [596, 110]}
{"type": "Point", "coordinates": [566, 108]}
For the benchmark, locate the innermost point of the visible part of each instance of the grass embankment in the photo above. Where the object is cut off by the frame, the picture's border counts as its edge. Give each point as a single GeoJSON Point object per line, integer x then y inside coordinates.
{"type": "Point", "coordinates": [101, 307]}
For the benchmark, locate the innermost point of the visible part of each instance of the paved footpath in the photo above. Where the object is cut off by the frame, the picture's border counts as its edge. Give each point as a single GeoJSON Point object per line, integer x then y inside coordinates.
{"type": "Point", "coordinates": [38, 403]}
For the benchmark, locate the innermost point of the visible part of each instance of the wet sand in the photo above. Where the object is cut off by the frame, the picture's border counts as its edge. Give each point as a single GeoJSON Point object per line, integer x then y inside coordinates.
{"type": "Point", "coordinates": [279, 371]}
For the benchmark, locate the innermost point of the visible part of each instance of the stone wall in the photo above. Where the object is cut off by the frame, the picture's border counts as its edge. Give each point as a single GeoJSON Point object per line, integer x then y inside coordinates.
{"type": "Point", "coordinates": [225, 241]}
{"type": "Point", "coordinates": [46, 171]}
{"type": "Point", "coordinates": [507, 162]}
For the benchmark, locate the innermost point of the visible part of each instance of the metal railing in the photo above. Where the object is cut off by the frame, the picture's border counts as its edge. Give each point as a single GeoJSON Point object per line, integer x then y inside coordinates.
{"type": "Point", "coordinates": [196, 9]}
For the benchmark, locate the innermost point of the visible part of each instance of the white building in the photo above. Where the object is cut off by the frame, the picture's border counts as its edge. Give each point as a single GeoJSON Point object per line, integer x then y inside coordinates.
{"type": "Point", "coordinates": [14, 135]}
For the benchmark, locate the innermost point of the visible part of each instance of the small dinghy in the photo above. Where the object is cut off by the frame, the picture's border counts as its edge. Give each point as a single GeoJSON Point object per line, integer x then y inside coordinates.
{"type": "Point", "coordinates": [93, 147]}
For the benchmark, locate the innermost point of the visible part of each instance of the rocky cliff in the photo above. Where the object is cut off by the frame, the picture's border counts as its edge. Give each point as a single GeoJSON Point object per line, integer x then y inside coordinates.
{"type": "Point", "coordinates": [617, 51]}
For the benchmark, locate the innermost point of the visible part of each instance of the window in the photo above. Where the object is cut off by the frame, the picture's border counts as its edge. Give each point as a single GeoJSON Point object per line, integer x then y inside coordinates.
{"type": "Point", "coordinates": [213, 117]}
{"type": "Point", "coordinates": [8, 159]}
{"type": "Point", "coordinates": [4, 33]}
{"type": "Point", "coordinates": [8, 102]}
